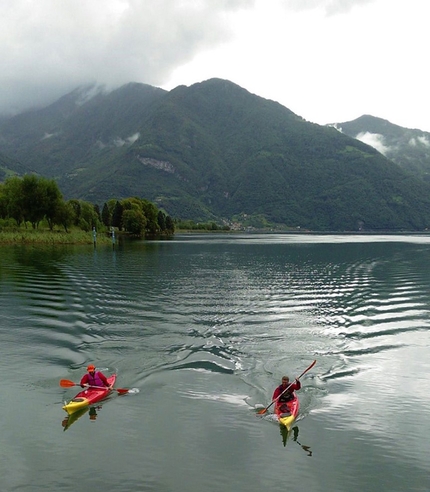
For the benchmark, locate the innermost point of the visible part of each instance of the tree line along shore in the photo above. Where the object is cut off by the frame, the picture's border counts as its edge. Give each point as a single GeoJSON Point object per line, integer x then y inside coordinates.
{"type": "Point", "coordinates": [32, 210]}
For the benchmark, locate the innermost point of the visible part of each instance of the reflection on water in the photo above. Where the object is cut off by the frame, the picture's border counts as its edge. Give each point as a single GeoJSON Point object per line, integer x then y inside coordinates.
{"type": "Point", "coordinates": [204, 327]}
{"type": "Point", "coordinates": [307, 449]}
{"type": "Point", "coordinates": [292, 436]}
{"type": "Point", "coordinates": [68, 420]}
{"type": "Point", "coordinates": [92, 411]}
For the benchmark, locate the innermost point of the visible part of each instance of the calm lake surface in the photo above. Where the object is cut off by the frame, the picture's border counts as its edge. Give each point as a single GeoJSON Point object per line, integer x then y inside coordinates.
{"type": "Point", "coordinates": [202, 328]}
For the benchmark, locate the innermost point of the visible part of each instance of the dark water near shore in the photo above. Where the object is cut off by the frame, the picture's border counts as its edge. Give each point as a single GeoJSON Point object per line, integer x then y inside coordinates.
{"type": "Point", "coordinates": [202, 328]}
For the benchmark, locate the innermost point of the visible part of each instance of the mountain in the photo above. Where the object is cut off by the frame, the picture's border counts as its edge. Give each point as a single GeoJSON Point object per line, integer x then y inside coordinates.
{"type": "Point", "coordinates": [409, 148]}
{"type": "Point", "coordinates": [214, 151]}
{"type": "Point", "coordinates": [11, 167]}
{"type": "Point", "coordinates": [58, 138]}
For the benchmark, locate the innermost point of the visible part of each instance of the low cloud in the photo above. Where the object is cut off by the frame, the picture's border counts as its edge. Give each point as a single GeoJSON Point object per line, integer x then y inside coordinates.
{"type": "Point", "coordinates": [120, 142]}
{"type": "Point", "coordinates": [54, 46]}
{"type": "Point", "coordinates": [49, 135]}
{"type": "Point", "coordinates": [422, 140]}
{"type": "Point", "coordinates": [375, 140]}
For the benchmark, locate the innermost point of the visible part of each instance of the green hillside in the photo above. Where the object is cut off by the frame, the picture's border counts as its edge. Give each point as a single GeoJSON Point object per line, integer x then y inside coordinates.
{"type": "Point", "coordinates": [11, 167]}
{"type": "Point", "coordinates": [409, 148]}
{"type": "Point", "coordinates": [214, 151]}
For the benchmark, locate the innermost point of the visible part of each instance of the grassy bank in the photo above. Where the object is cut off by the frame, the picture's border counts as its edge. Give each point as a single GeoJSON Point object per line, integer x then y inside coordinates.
{"type": "Point", "coordinates": [31, 236]}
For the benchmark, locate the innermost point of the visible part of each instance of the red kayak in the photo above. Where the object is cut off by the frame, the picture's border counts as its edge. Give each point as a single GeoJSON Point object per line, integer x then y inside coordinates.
{"type": "Point", "coordinates": [287, 412]}
{"type": "Point", "coordinates": [88, 397]}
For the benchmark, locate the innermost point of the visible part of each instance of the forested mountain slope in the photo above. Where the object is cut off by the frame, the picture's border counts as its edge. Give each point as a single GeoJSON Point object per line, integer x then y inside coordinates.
{"type": "Point", "coordinates": [410, 148]}
{"type": "Point", "coordinates": [215, 151]}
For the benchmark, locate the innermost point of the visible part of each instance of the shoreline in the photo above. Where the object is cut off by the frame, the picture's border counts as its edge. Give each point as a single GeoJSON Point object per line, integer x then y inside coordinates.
{"type": "Point", "coordinates": [31, 237]}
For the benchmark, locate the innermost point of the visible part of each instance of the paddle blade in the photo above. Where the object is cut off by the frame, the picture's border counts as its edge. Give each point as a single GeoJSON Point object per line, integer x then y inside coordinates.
{"type": "Point", "coordinates": [262, 411]}
{"type": "Point", "coordinates": [307, 369]}
{"type": "Point", "coordinates": [121, 391]}
{"type": "Point", "coordinates": [66, 383]}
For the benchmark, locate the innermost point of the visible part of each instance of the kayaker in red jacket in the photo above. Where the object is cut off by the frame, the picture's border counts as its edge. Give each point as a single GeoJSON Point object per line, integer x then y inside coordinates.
{"type": "Point", "coordinates": [94, 378]}
{"type": "Point", "coordinates": [281, 394]}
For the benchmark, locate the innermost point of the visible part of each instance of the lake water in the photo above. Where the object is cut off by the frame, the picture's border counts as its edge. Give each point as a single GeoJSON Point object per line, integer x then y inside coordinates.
{"type": "Point", "coordinates": [202, 328]}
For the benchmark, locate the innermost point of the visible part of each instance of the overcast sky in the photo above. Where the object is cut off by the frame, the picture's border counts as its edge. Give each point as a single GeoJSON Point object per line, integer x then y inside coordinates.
{"type": "Point", "coordinates": [326, 60]}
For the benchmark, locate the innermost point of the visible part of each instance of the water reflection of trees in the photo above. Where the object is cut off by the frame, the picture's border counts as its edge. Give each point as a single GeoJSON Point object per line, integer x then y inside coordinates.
{"type": "Point", "coordinates": [43, 258]}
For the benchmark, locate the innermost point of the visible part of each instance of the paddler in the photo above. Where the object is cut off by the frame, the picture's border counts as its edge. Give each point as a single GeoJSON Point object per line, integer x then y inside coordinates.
{"type": "Point", "coordinates": [94, 378]}
{"type": "Point", "coordinates": [284, 393]}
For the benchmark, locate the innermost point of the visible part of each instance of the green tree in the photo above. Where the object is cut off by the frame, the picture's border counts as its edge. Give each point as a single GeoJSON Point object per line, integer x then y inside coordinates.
{"type": "Point", "coordinates": [13, 199]}
{"type": "Point", "coordinates": [170, 226]}
{"type": "Point", "coordinates": [54, 202]}
{"type": "Point", "coordinates": [111, 205]}
{"type": "Point", "coordinates": [88, 218]}
{"type": "Point", "coordinates": [117, 215]}
{"type": "Point", "coordinates": [106, 215]}
{"type": "Point", "coordinates": [76, 206]}
{"type": "Point", "coordinates": [131, 203]}
{"type": "Point", "coordinates": [97, 212]}
{"type": "Point", "coordinates": [151, 213]}
{"type": "Point", "coordinates": [161, 219]}
{"type": "Point", "coordinates": [3, 202]}
{"type": "Point", "coordinates": [134, 221]}
{"type": "Point", "coordinates": [34, 199]}
{"type": "Point", "coordinates": [65, 215]}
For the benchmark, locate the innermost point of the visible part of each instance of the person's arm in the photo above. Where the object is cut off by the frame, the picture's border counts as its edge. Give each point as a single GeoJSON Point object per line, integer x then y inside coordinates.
{"type": "Point", "coordinates": [84, 380]}
{"type": "Point", "coordinates": [105, 381]}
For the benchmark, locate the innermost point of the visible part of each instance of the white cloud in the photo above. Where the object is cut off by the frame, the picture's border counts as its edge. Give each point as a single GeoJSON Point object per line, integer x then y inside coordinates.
{"type": "Point", "coordinates": [375, 140]}
{"type": "Point", "coordinates": [120, 142]}
{"type": "Point", "coordinates": [54, 46]}
{"type": "Point", "coordinates": [326, 60]}
{"type": "Point", "coordinates": [133, 138]}
{"type": "Point", "coordinates": [331, 7]}
{"type": "Point", "coordinates": [424, 140]}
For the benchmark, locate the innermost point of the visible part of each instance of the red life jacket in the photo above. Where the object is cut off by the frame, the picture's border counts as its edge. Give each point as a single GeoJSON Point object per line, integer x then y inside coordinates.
{"type": "Point", "coordinates": [95, 380]}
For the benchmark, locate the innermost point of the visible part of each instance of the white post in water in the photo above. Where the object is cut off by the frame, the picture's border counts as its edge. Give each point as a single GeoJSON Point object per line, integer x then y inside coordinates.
{"type": "Point", "coordinates": [94, 236]}
{"type": "Point", "coordinates": [112, 230]}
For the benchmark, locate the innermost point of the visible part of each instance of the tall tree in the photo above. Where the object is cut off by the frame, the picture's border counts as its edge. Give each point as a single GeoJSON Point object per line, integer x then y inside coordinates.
{"type": "Point", "coordinates": [89, 218]}
{"type": "Point", "coordinates": [117, 216]}
{"type": "Point", "coordinates": [106, 215]}
{"type": "Point", "coordinates": [151, 214]}
{"type": "Point", "coordinates": [54, 201]}
{"type": "Point", "coordinates": [97, 212]}
{"type": "Point", "coordinates": [34, 198]}
{"type": "Point", "coordinates": [76, 205]}
{"type": "Point", "coordinates": [170, 226]}
{"type": "Point", "coordinates": [12, 192]}
{"type": "Point", "coordinates": [65, 215]}
{"type": "Point", "coordinates": [161, 219]}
